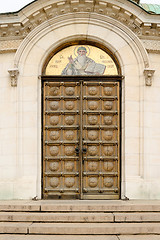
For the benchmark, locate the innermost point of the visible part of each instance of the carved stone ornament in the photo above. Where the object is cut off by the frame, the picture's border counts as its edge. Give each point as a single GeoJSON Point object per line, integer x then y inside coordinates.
{"type": "Point", "coordinates": [14, 76]}
{"type": "Point", "coordinates": [148, 73]}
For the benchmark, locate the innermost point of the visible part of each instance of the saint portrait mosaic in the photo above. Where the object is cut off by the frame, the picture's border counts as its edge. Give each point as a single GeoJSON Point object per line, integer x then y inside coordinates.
{"type": "Point", "coordinates": [81, 60]}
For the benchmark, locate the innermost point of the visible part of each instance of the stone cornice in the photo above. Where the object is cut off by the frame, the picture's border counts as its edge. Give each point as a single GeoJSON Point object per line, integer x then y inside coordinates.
{"type": "Point", "coordinates": [152, 46]}
{"type": "Point", "coordinates": [20, 26]}
{"type": "Point", "coordinates": [9, 46]}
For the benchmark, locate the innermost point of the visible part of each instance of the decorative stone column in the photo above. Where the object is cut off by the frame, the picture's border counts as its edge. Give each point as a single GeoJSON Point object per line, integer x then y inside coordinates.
{"type": "Point", "coordinates": [14, 76]}
{"type": "Point", "coordinates": [148, 73]}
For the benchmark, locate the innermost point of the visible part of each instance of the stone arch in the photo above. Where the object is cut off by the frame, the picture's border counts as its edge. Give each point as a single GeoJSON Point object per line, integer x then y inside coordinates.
{"type": "Point", "coordinates": [108, 26]}
{"type": "Point", "coordinates": [50, 35]}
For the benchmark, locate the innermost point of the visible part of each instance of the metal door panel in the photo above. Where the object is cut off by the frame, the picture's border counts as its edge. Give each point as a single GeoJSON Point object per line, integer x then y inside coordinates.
{"type": "Point", "coordinates": [101, 140]}
{"type": "Point", "coordinates": [81, 141]}
{"type": "Point", "coordinates": [61, 138]}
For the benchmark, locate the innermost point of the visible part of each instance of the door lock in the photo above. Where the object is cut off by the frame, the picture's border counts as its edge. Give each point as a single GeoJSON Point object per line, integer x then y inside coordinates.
{"type": "Point", "coordinates": [84, 150]}
{"type": "Point", "coordinates": [77, 150]}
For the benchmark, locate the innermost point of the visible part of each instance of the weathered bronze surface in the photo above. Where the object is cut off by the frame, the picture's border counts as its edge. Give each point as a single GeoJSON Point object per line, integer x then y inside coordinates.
{"type": "Point", "coordinates": [81, 139]}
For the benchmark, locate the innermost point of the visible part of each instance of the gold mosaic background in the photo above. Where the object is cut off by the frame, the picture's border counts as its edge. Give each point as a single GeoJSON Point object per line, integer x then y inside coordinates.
{"type": "Point", "coordinates": [59, 61]}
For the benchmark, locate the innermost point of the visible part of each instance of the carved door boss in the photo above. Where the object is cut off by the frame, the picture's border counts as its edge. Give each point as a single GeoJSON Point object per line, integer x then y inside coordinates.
{"type": "Point", "coordinates": [81, 138]}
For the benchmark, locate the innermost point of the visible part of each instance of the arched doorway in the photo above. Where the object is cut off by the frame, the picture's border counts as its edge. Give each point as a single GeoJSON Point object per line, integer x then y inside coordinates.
{"type": "Point", "coordinates": [81, 124]}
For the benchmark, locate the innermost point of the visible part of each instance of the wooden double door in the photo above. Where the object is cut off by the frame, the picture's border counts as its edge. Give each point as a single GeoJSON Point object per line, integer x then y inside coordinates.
{"type": "Point", "coordinates": [81, 138]}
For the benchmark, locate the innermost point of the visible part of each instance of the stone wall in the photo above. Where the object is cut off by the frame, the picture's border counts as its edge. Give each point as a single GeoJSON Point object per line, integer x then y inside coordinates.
{"type": "Point", "coordinates": [25, 55]}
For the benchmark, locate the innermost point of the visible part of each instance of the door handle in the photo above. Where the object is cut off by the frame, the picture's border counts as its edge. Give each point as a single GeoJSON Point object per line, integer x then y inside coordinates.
{"type": "Point", "coordinates": [77, 150]}
{"type": "Point", "coordinates": [84, 150]}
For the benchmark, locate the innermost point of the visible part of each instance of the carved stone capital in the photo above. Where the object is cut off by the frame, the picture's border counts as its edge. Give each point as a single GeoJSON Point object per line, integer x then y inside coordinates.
{"type": "Point", "coordinates": [148, 73]}
{"type": "Point", "coordinates": [14, 76]}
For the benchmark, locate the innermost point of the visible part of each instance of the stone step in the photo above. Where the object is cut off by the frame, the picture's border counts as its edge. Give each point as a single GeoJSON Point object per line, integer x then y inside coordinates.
{"type": "Point", "coordinates": [19, 207]}
{"type": "Point", "coordinates": [55, 217]}
{"type": "Point", "coordinates": [94, 228]}
{"type": "Point", "coordinates": [7, 227]}
{"type": "Point", "coordinates": [79, 228]}
{"type": "Point", "coordinates": [80, 206]}
{"type": "Point", "coordinates": [78, 237]}
{"type": "Point", "coordinates": [137, 217]}
{"type": "Point", "coordinates": [79, 217]}
{"type": "Point", "coordinates": [120, 207]}
{"type": "Point", "coordinates": [59, 237]}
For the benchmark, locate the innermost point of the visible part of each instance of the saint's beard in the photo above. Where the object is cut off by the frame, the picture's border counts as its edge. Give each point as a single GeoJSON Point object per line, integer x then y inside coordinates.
{"type": "Point", "coordinates": [82, 59]}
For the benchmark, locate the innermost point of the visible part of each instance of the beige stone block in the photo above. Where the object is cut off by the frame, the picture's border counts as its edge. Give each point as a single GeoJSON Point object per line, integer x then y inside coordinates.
{"type": "Point", "coordinates": [8, 171]}
{"type": "Point", "coordinates": [132, 158]}
{"type": "Point", "coordinates": [151, 106]}
{"type": "Point", "coordinates": [131, 168]}
{"type": "Point", "coordinates": [8, 134]}
{"type": "Point", "coordinates": [9, 147]}
{"type": "Point", "coordinates": [7, 95]}
{"type": "Point", "coordinates": [94, 228]}
{"type": "Point", "coordinates": [34, 56]}
{"type": "Point", "coordinates": [155, 119]}
{"type": "Point", "coordinates": [102, 205]}
{"type": "Point", "coordinates": [128, 56]}
{"type": "Point", "coordinates": [29, 132]}
{"type": "Point", "coordinates": [14, 227]}
{"type": "Point", "coordinates": [152, 94]}
{"type": "Point", "coordinates": [8, 108]}
{"type": "Point", "coordinates": [139, 237]}
{"type": "Point", "coordinates": [154, 57]}
{"type": "Point", "coordinates": [29, 145]}
{"type": "Point", "coordinates": [6, 190]}
{"type": "Point", "coordinates": [8, 120]}
{"type": "Point", "coordinates": [31, 9]}
{"type": "Point", "coordinates": [115, 40]}
{"type": "Point", "coordinates": [19, 206]}
{"type": "Point", "coordinates": [155, 160]}
{"type": "Point", "coordinates": [137, 217]}
{"type": "Point", "coordinates": [153, 172]}
{"type": "Point", "coordinates": [147, 122]}
{"type": "Point", "coordinates": [30, 94]}
{"type": "Point", "coordinates": [30, 169]}
{"type": "Point", "coordinates": [154, 146]}
{"type": "Point", "coordinates": [47, 41]}
{"type": "Point", "coordinates": [56, 217]}
{"type": "Point", "coordinates": [30, 69]}
{"type": "Point", "coordinates": [29, 106]}
{"type": "Point", "coordinates": [7, 160]}
{"type": "Point", "coordinates": [132, 119]}
{"type": "Point", "coordinates": [131, 145]}
{"type": "Point", "coordinates": [131, 93]}
{"type": "Point", "coordinates": [28, 184]}
{"type": "Point", "coordinates": [99, 32]}
{"type": "Point", "coordinates": [131, 73]}
{"type": "Point", "coordinates": [131, 105]}
{"type": "Point", "coordinates": [58, 237]}
{"type": "Point", "coordinates": [29, 81]}
{"type": "Point", "coordinates": [6, 61]}
{"type": "Point", "coordinates": [154, 188]}
{"type": "Point", "coordinates": [132, 132]}
{"type": "Point", "coordinates": [137, 188]}
{"type": "Point", "coordinates": [72, 30]}
{"type": "Point", "coordinates": [30, 119]}
{"type": "Point", "coordinates": [131, 80]}
{"type": "Point", "coordinates": [156, 82]}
